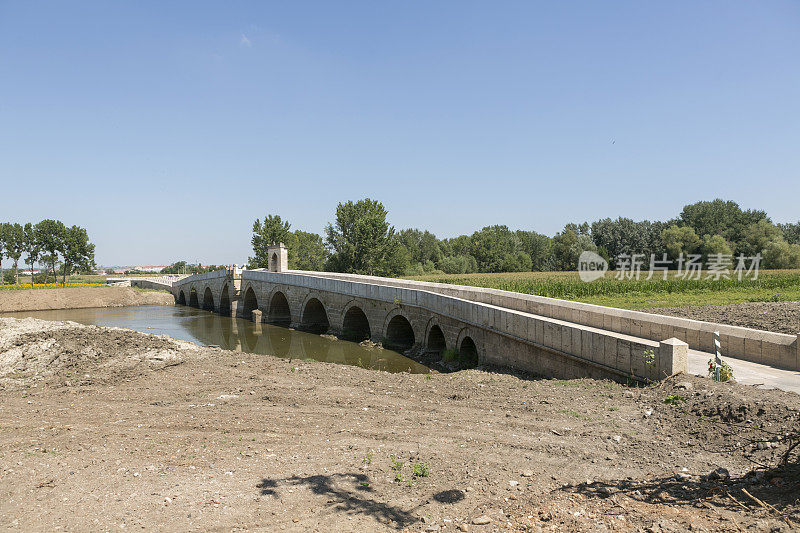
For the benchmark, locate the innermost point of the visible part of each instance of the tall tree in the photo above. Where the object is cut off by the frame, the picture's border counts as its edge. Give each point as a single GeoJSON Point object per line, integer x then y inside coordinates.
{"type": "Point", "coordinates": [719, 217]}
{"type": "Point", "coordinates": [4, 235]}
{"type": "Point", "coordinates": [362, 241]}
{"type": "Point", "coordinates": [32, 247]}
{"type": "Point", "coordinates": [309, 252]}
{"type": "Point", "coordinates": [77, 251]}
{"type": "Point", "coordinates": [271, 231]}
{"type": "Point", "coordinates": [51, 235]}
{"type": "Point", "coordinates": [15, 244]}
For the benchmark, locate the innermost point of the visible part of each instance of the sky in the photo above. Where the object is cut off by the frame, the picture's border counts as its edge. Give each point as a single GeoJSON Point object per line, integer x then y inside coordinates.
{"type": "Point", "coordinates": [167, 128]}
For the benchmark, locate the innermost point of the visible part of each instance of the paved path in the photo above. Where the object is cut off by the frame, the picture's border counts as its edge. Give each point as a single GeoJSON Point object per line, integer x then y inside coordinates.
{"type": "Point", "coordinates": [749, 373]}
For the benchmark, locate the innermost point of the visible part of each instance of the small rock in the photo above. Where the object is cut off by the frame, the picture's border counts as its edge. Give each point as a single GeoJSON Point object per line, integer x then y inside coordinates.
{"type": "Point", "coordinates": [513, 483]}
{"type": "Point", "coordinates": [527, 473]}
{"type": "Point", "coordinates": [648, 412]}
{"type": "Point", "coordinates": [605, 492]}
{"type": "Point", "coordinates": [463, 527]}
{"type": "Point", "coordinates": [682, 476]}
{"type": "Point", "coordinates": [628, 394]}
{"type": "Point", "coordinates": [720, 473]}
{"type": "Point", "coordinates": [482, 520]}
{"type": "Point", "coordinates": [685, 385]}
{"type": "Point", "coordinates": [616, 438]}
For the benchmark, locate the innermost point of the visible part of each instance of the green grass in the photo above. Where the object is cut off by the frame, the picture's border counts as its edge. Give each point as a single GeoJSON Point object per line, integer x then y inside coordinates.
{"type": "Point", "coordinates": [771, 285]}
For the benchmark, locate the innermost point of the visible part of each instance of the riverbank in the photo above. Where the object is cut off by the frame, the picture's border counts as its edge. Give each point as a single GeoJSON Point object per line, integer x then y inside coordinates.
{"type": "Point", "coordinates": [139, 431]}
{"type": "Point", "coordinates": [79, 298]}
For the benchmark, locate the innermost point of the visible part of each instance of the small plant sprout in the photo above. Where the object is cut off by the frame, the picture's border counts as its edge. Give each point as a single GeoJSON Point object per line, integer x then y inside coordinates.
{"type": "Point", "coordinates": [421, 470]}
{"type": "Point", "coordinates": [649, 357]}
{"type": "Point", "coordinates": [367, 458]}
{"type": "Point", "coordinates": [397, 466]}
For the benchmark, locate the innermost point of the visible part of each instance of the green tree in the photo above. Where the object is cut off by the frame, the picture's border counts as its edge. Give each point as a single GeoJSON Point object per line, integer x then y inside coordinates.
{"type": "Point", "coordinates": [5, 229]}
{"type": "Point", "coordinates": [15, 245]}
{"type": "Point", "coordinates": [423, 246]}
{"type": "Point", "coordinates": [781, 254]}
{"type": "Point", "coordinates": [680, 240]}
{"type": "Point", "coordinates": [362, 241]}
{"type": "Point", "coordinates": [719, 217]}
{"type": "Point", "coordinates": [569, 245]}
{"type": "Point", "coordinates": [77, 251]}
{"type": "Point", "coordinates": [757, 236]}
{"type": "Point", "coordinates": [308, 251]}
{"type": "Point", "coordinates": [498, 249]}
{"type": "Point", "coordinates": [271, 231]}
{"type": "Point", "coordinates": [538, 247]}
{"type": "Point", "coordinates": [624, 236]}
{"type": "Point", "coordinates": [51, 234]}
{"type": "Point", "coordinates": [791, 232]}
{"type": "Point", "coordinates": [32, 246]}
{"type": "Point", "coordinates": [715, 245]}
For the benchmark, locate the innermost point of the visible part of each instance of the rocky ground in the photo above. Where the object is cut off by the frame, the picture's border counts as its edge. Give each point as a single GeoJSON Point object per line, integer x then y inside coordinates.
{"type": "Point", "coordinates": [108, 429]}
{"type": "Point", "coordinates": [79, 298]}
{"type": "Point", "coordinates": [780, 317]}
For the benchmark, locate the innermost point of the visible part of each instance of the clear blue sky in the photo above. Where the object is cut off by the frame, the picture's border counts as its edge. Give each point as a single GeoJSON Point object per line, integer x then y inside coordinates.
{"type": "Point", "coordinates": [166, 128]}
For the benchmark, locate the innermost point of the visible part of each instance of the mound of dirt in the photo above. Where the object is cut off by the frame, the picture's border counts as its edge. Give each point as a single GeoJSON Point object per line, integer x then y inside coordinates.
{"type": "Point", "coordinates": [70, 353]}
{"type": "Point", "coordinates": [79, 298]}
{"type": "Point", "coordinates": [780, 317]}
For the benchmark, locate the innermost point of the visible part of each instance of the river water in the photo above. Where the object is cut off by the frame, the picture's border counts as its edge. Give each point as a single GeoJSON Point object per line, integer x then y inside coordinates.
{"type": "Point", "coordinates": [208, 329]}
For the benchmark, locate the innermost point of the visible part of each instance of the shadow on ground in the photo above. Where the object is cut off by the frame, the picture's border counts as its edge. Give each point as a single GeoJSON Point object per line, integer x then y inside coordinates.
{"type": "Point", "coordinates": [349, 493]}
{"type": "Point", "coordinates": [775, 491]}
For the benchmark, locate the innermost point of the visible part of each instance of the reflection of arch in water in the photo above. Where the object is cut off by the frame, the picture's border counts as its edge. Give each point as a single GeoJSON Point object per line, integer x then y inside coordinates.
{"type": "Point", "coordinates": [249, 337]}
{"type": "Point", "coordinates": [181, 298]}
{"type": "Point", "coordinates": [225, 302]}
{"type": "Point", "coordinates": [208, 300]}
{"type": "Point", "coordinates": [314, 318]}
{"type": "Point", "coordinates": [193, 302]}
{"type": "Point", "coordinates": [279, 313]}
{"type": "Point", "coordinates": [249, 304]}
{"type": "Point", "coordinates": [355, 325]}
{"type": "Point", "coordinates": [278, 341]}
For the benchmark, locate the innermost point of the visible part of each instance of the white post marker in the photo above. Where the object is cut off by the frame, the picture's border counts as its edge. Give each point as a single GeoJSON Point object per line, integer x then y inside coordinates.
{"type": "Point", "coordinates": [718, 352]}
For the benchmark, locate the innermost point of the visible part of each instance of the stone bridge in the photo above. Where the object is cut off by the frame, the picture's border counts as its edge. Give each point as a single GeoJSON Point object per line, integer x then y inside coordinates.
{"type": "Point", "coordinates": [545, 336]}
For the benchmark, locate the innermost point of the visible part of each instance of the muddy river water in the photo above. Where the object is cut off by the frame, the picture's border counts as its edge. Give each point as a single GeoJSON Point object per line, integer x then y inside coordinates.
{"type": "Point", "coordinates": [208, 329]}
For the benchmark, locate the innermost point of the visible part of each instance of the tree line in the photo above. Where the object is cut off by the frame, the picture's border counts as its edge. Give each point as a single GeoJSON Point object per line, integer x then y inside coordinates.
{"type": "Point", "coordinates": [62, 249]}
{"type": "Point", "coordinates": [361, 240]}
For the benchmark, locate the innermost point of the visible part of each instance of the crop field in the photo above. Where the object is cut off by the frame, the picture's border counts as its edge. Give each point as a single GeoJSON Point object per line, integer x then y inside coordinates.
{"type": "Point", "coordinates": [770, 286]}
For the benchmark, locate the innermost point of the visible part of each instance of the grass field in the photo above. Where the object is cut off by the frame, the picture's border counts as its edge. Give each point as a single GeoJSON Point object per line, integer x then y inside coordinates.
{"type": "Point", "coordinates": [771, 286]}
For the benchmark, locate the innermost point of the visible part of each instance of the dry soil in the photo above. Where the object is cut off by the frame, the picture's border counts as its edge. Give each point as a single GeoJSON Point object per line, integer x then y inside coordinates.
{"type": "Point", "coordinates": [108, 429]}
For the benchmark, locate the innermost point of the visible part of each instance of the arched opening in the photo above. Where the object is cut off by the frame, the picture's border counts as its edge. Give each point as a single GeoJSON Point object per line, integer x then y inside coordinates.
{"type": "Point", "coordinates": [181, 298]}
{"type": "Point", "coordinates": [193, 302]}
{"type": "Point", "coordinates": [273, 262]}
{"type": "Point", "coordinates": [399, 334]}
{"type": "Point", "coordinates": [208, 300]}
{"type": "Point", "coordinates": [279, 313]}
{"type": "Point", "coordinates": [250, 304]}
{"type": "Point", "coordinates": [436, 343]}
{"type": "Point", "coordinates": [315, 319]}
{"type": "Point", "coordinates": [468, 353]}
{"type": "Point", "coordinates": [355, 326]}
{"type": "Point", "coordinates": [225, 302]}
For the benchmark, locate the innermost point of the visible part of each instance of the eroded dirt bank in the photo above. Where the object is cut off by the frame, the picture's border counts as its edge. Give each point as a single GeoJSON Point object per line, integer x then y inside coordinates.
{"type": "Point", "coordinates": [110, 429]}
{"type": "Point", "coordinates": [79, 298]}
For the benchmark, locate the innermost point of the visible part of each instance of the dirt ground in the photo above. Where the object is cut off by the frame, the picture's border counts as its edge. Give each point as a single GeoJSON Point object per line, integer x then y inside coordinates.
{"type": "Point", "coordinates": [79, 298]}
{"type": "Point", "coordinates": [109, 429]}
{"type": "Point", "coordinates": [780, 317]}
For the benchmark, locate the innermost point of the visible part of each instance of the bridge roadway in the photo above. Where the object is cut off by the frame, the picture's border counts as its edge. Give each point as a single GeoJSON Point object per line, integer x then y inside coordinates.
{"type": "Point", "coordinates": [549, 337]}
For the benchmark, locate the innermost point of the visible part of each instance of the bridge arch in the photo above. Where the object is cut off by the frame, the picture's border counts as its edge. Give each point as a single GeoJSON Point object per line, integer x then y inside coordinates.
{"type": "Point", "coordinates": [249, 303]}
{"type": "Point", "coordinates": [435, 341]}
{"type": "Point", "coordinates": [225, 302]}
{"type": "Point", "coordinates": [279, 312]}
{"type": "Point", "coordinates": [313, 316]}
{"type": "Point", "coordinates": [468, 352]}
{"type": "Point", "coordinates": [398, 332]}
{"type": "Point", "coordinates": [355, 324]}
{"type": "Point", "coordinates": [208, 299]}
{"type": "Point", "coordinates": [193, 301]}
{"type": "Point", "coordinates": [181, 298]}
